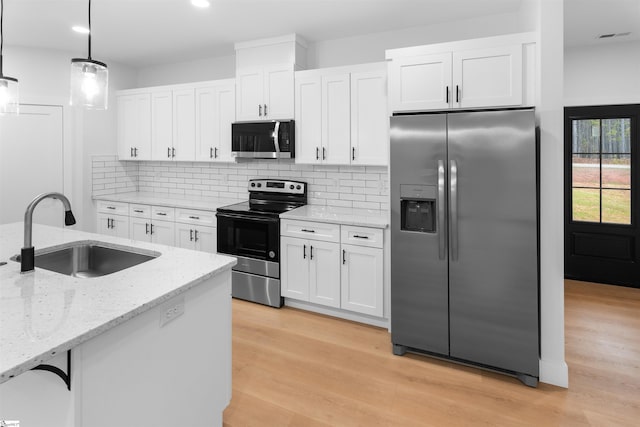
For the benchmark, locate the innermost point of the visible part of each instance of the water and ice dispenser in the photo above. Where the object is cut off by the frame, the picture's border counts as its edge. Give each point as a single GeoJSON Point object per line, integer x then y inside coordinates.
{"type": "Point", "coordinates": [418, 208]}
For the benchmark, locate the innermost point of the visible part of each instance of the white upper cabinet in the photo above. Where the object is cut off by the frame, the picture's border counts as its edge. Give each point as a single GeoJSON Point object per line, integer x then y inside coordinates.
{"type": "Point", "coordinates": [215, 112]}
{"type": "Point", "coordinates": [488, 77]}
{"type": "Point", "coordinates": [184, 125]}
{"type": "Point", "coordinates": [161, 125]}
{"type": "Point", "coordinates": [421, 82]}
{"type": "Point", "coordinates": [369, 118]}
{"type": "Point", "coordinates": [480, 73]}
{"type": "Point", "coordinates": [134, 126]}
{"type": "Point", "coordinates": [265, 93]}
{"type": "Point", "coordinates": [341, 116]}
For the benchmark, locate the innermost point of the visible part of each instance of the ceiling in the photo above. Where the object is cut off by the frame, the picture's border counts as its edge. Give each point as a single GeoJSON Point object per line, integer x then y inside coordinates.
{"type": "Point", "coordinates": [141, 33]}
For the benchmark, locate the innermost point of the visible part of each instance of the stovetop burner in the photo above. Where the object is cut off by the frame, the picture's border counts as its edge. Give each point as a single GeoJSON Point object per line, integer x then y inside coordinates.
{"type": "Point", "coordinates": [270, 197]}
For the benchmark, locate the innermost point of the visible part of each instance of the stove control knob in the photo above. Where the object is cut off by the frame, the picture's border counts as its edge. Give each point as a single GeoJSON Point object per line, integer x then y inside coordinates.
{"type": "Point", "coordinates": [253, 184]}
{"type": "Point", "coordinates": [291, 186]}
{"type": "Point", "coordinates": [272, 254]}
{"type": "Point", "coordinates": [259, 185]}
{"type": "Point", "coordinates": [298, 187]}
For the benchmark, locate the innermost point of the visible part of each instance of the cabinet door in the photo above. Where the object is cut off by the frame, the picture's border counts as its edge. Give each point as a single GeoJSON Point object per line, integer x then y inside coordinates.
{"type": "Point", "coordinates": [205, 239]}
{"type": "Point", "coordinates": [224, 115]}
{"type": "Point", "coordinates": [369, 118]}
{"type": "Point", "coordinates": [336, 121]}
{"type": "Point", "coordinates": [294, 268]}
{"type": "Point", "coordinates": [103, 224]}
{"type": "Point", "coordinates": [161, 125]}
{"type": "Point", "coordinates": [324, 273]}
{"type": "Point", "coordinates": [205, 123]}
{"type": "Point", "coordinates": [120, 226]}
{"type": "Point", "coordinates": [278, 92]}
{"type": "Point", "coordinates": [488, 77]}
{"type": "Point", "coordinates": [308, 118]}
{"type": "Point", "coordinates": [163, 232]}
{"type": "Point", "coordinates": [249, 94]}
{"type": "Point", "coordinates": [184, 236]}
{"type": "Point", "coordinates": [127, 126]}
{"type": "Point", "coordinates": [139, 229]}
{"type": "Point", "coordinates": [421, 83]}
{"type": "Point", "coordinates": [184, 125]}
{"type": "Point", "coordinates": [142, 144]}
{"type": "Point", "coordinates": [361, 282]}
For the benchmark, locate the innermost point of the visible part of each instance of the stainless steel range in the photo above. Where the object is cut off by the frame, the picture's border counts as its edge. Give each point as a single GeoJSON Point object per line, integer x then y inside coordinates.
{"type": "Point", "coordinates": [250, 231]}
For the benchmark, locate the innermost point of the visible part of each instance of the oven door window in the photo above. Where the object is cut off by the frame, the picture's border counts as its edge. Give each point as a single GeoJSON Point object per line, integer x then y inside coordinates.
{"type": "Point", "coordinates": [253, 238]}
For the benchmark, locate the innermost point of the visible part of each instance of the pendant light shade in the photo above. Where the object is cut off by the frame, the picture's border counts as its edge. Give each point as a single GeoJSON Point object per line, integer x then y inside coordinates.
{"type": "Point", "coordinates": [9, 101]}
{"type": "Point", "coordinates": [89, 80]}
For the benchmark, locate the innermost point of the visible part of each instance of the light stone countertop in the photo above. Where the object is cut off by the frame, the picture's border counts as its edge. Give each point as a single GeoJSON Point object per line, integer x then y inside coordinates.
{"type": "Point", "coordinates": [339, 215]}
{"type": "Point", "coordinates": [45, 313]}
{"type": "Point", "coordinates": [169, 200]}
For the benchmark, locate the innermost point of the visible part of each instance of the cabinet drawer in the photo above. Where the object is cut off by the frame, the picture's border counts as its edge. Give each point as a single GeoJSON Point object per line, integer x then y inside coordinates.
{"type": "Point", "coordinates": [361, 236]}
{"type": "Point", "coordinates": [310, 230]}
{"type": "Point", "coordinates": [140, 211]}
{"type": "Point", "coordinates": [162, 213]}
{"type": "Point", "coordinates": [192, 216]}
{"type": "Point", "coordinates": [117, 208]}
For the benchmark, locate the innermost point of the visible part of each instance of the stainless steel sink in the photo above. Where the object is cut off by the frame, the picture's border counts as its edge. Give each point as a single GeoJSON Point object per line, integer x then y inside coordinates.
{"type": "Point", "coordinates": [89, 258]}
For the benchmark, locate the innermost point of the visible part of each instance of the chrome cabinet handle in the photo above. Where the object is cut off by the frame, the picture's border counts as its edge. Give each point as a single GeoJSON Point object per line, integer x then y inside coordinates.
{"type": "Point", "coordinates": [173, 152]}
{"type": "Point", "coordinates": [215, 152]}
{"type": "Point", "coordinates": [304, 251]}
{"type": "Point", "coordinates": [194, 217]}
{"type": "Point", "coordinates": [260, 110]}
{"type": "Point", "coordinates": [353, 153]}
{"type": "Point", "coordinates": [317, 153]}
{"type": "Point", "coordinates": [457, 93]}
{"type": "Point", "coordinates": [344, 256]}
{"type": "Point", "coordinates": [357, 236]}
{"type": "Point", "coordinates": [265, 110]}
{"type": "Point", "coordinates": [324, 153]}
{"type": "Point", "coordinates": [169, 152]}
{"type": "Point", "coordinates": [191, 235]}
{"type": "Point", "coordinates": [111, 207]}
{"type": "Point", "coordinates": [146, 228]}
{"type": "Point", "coordinates": [453, 200]}
{"type": "Point", "coordinates": [211, 152]}
{"type": "Point", "coordinates": [161, 213]}
{"type": "Point", "coordinates": [135, 152]}
{"type": "Point", "coordinates": [108, 222]}
{"type": "Point", "coordinates": [131, 151]}
{"type": "Point", "coordinates": [308, 231]}
{"type": "Point", "coordinates": [138, 210]}
{"type": "Point", "coordinates": [440, 226]}
{"type": "Point", "coordinates": [151, 228]}
{"type": "Point", "coordinates": [195, 235]}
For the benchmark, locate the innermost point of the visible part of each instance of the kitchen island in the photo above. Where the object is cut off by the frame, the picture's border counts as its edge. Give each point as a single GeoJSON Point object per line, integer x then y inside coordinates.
{"type": "Point", "coordinates": [149, 345]}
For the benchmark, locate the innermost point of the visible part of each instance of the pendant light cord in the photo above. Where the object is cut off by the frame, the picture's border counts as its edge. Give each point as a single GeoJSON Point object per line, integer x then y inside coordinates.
{"type": "Point", "coordinates": [89, 28]}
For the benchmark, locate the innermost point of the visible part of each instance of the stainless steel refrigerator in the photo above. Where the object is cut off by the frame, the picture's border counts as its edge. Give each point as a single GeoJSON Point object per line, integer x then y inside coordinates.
{"type": "Point", "coordinates": [464, 239]}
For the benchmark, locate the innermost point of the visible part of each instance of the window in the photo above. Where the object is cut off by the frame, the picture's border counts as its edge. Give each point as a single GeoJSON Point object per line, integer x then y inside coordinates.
{"type": "Point", "coordinates": [601, 170]}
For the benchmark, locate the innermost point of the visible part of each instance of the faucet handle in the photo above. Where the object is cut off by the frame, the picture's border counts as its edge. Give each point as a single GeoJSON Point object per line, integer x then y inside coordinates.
{"type": "Point", "coordinates": [69, 219]}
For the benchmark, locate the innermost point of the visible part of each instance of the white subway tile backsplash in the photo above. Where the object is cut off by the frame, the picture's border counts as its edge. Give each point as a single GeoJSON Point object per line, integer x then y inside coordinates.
{"type": "Point", "coordinates": [364, 187]}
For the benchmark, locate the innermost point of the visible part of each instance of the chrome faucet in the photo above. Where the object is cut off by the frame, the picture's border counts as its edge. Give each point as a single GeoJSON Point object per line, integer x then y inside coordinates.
{"type": "Point", "coordinates": [27, 259]}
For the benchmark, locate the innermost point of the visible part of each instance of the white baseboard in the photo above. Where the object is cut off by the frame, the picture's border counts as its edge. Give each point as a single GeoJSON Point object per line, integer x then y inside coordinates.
{"type": "Point", "coordinates": [554, 372]}
{"type": "Point", "coordinates": [336, 312]}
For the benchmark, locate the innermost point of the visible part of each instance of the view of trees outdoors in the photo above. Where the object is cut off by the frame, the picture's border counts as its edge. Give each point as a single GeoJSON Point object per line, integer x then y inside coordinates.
{"type": "Point", "coordinates": [601, 170]}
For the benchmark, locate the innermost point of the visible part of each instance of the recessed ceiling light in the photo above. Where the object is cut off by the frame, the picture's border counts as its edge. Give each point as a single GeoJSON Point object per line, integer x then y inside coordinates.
{"type": "Point", "coordinates": [201, 3]}
{"type": "Point", "coordinates": [80, 29]}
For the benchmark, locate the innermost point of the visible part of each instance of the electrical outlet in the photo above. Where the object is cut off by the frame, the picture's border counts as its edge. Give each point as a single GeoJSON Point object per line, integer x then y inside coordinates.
{"type": "Point", "coordinates": [171, 310]}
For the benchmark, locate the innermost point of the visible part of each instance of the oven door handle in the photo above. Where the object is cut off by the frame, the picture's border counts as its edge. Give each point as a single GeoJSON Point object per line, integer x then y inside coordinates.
{"type": "Point", "coordinates": [247, 217]}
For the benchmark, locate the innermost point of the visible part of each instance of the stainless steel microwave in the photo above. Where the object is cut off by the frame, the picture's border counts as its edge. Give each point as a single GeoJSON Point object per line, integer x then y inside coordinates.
{"type": "Point", "coordinates": [263, 140]}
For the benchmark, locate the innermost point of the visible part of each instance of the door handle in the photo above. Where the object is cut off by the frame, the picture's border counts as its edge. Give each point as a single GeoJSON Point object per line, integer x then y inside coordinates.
{"type": "Point", "coordinates": [108, 222]}
{"type": "Point", "coordinates": [173, 152]}
{"type": "Point", "coordinates": [192, 217]}
{"type": "Point", "coordinates": [151, 228]}
{"type": "Point", "coordinates": [191, 235]}
{"type": "Point", "coordinates": [317, 153]}
{"type": "Point", "coordinates": [442, 241]}
{"type": "Point", "coordinates": [447, 94]}
{"type": "Point", "coordinates": [353, 153]}
{"type": "Point", "coordinates": [260, 110]}
{"type": "Point", "coordinates": [311, 253]}
{"type": "Point", "coordinates": [453, 209]}
{"type": "Point", "coordinates": [215, 152]}
{"type": "Point", "coordinates": [131, 151]}
{"type": "Point", "coordinates": [195, 235]}
{"type": "Point", "coordinates": [169, 152]}
{"type": "Point", "coordinates": [135, 151]}
{"type": "Point", "coordinates": [211, 152]}
{"type": "Point", "coordinates": [324, 153]}
{"type": "Point", "coordinates": [344, 256]}
{"type": "Point", "coordinates": [457, 93]}
{"type": "Point", "coordinates": [146, 228]}
{"type": "Point", "coordinates": [304, 251]}
{"type": "Point", "coordinates": [265, 110]}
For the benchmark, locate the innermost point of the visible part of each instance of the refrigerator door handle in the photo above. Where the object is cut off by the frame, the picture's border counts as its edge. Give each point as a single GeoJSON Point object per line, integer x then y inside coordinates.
{"type": "Point", "coordinates": [442, 243]}
{"type": "Point", "coordinates": [453, 200]}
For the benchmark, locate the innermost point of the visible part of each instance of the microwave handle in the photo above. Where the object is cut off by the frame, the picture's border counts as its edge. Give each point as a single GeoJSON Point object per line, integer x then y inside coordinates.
{"type": "Point", "coordinates": [276, 137]}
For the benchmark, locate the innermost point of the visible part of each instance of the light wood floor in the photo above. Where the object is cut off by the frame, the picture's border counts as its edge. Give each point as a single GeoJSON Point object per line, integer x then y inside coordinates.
{"type": "Point", "coordinates": [293, 368]}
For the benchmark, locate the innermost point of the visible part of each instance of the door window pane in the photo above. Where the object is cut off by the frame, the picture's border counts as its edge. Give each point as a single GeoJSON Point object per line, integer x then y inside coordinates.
{"type": "Point", "coordinates": [616, 135]}
{"type": "Point", "coordinates": [616, 171]}
{"type": "Point", "coordinates": [586, 136]}
{"type": "Point", "coordinates": [586, 204]}
{"type": "Point", "coordinates": [616, 206]}
{"type": "Point", "coordinates": [586, 170]}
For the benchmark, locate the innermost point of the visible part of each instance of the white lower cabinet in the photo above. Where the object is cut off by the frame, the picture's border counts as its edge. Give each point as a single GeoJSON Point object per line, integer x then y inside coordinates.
{"type": "Point", "coordinates": [161, 232]}
{"type": "Point", "coordinates": [342, 270]}
{"type": "Point", "coordinates": [199, 238]}
{"type": "Point", "coordinates": [113, 225]}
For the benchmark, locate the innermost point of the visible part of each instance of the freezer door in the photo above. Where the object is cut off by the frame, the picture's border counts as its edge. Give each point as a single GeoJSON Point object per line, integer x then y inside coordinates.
{"type": "Point", "coordinates": [419, 300]}
{"type": "Point", "coordinates": [493, 276]}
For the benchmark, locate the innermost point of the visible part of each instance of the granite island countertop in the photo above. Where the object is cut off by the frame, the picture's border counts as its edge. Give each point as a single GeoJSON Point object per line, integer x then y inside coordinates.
{"type": "Point", "coordinates": [339, 215]}
{"type": "Point", "coordinates": [169, 200]}
{"type": "Point", "coordinates": [44, 313]}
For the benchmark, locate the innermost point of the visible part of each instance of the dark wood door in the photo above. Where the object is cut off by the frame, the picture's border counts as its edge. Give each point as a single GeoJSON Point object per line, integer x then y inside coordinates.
{"type": "Point", "coordinates": [602, 214]}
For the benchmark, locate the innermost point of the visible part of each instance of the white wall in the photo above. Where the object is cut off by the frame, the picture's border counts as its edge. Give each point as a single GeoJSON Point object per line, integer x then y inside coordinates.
{"type": "Point", "coordinates": [44, 79]}
{"type": "Point", "coordinates": [215, 68]}
{"type": "Point", "coordinates": [603, 74]}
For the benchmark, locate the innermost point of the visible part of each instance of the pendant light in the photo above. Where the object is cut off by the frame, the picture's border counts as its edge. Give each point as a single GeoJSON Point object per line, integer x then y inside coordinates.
{"type": "Point", "coordinates": [89, 80]}
{"type": "Point", "coordinates": [9, 103]}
